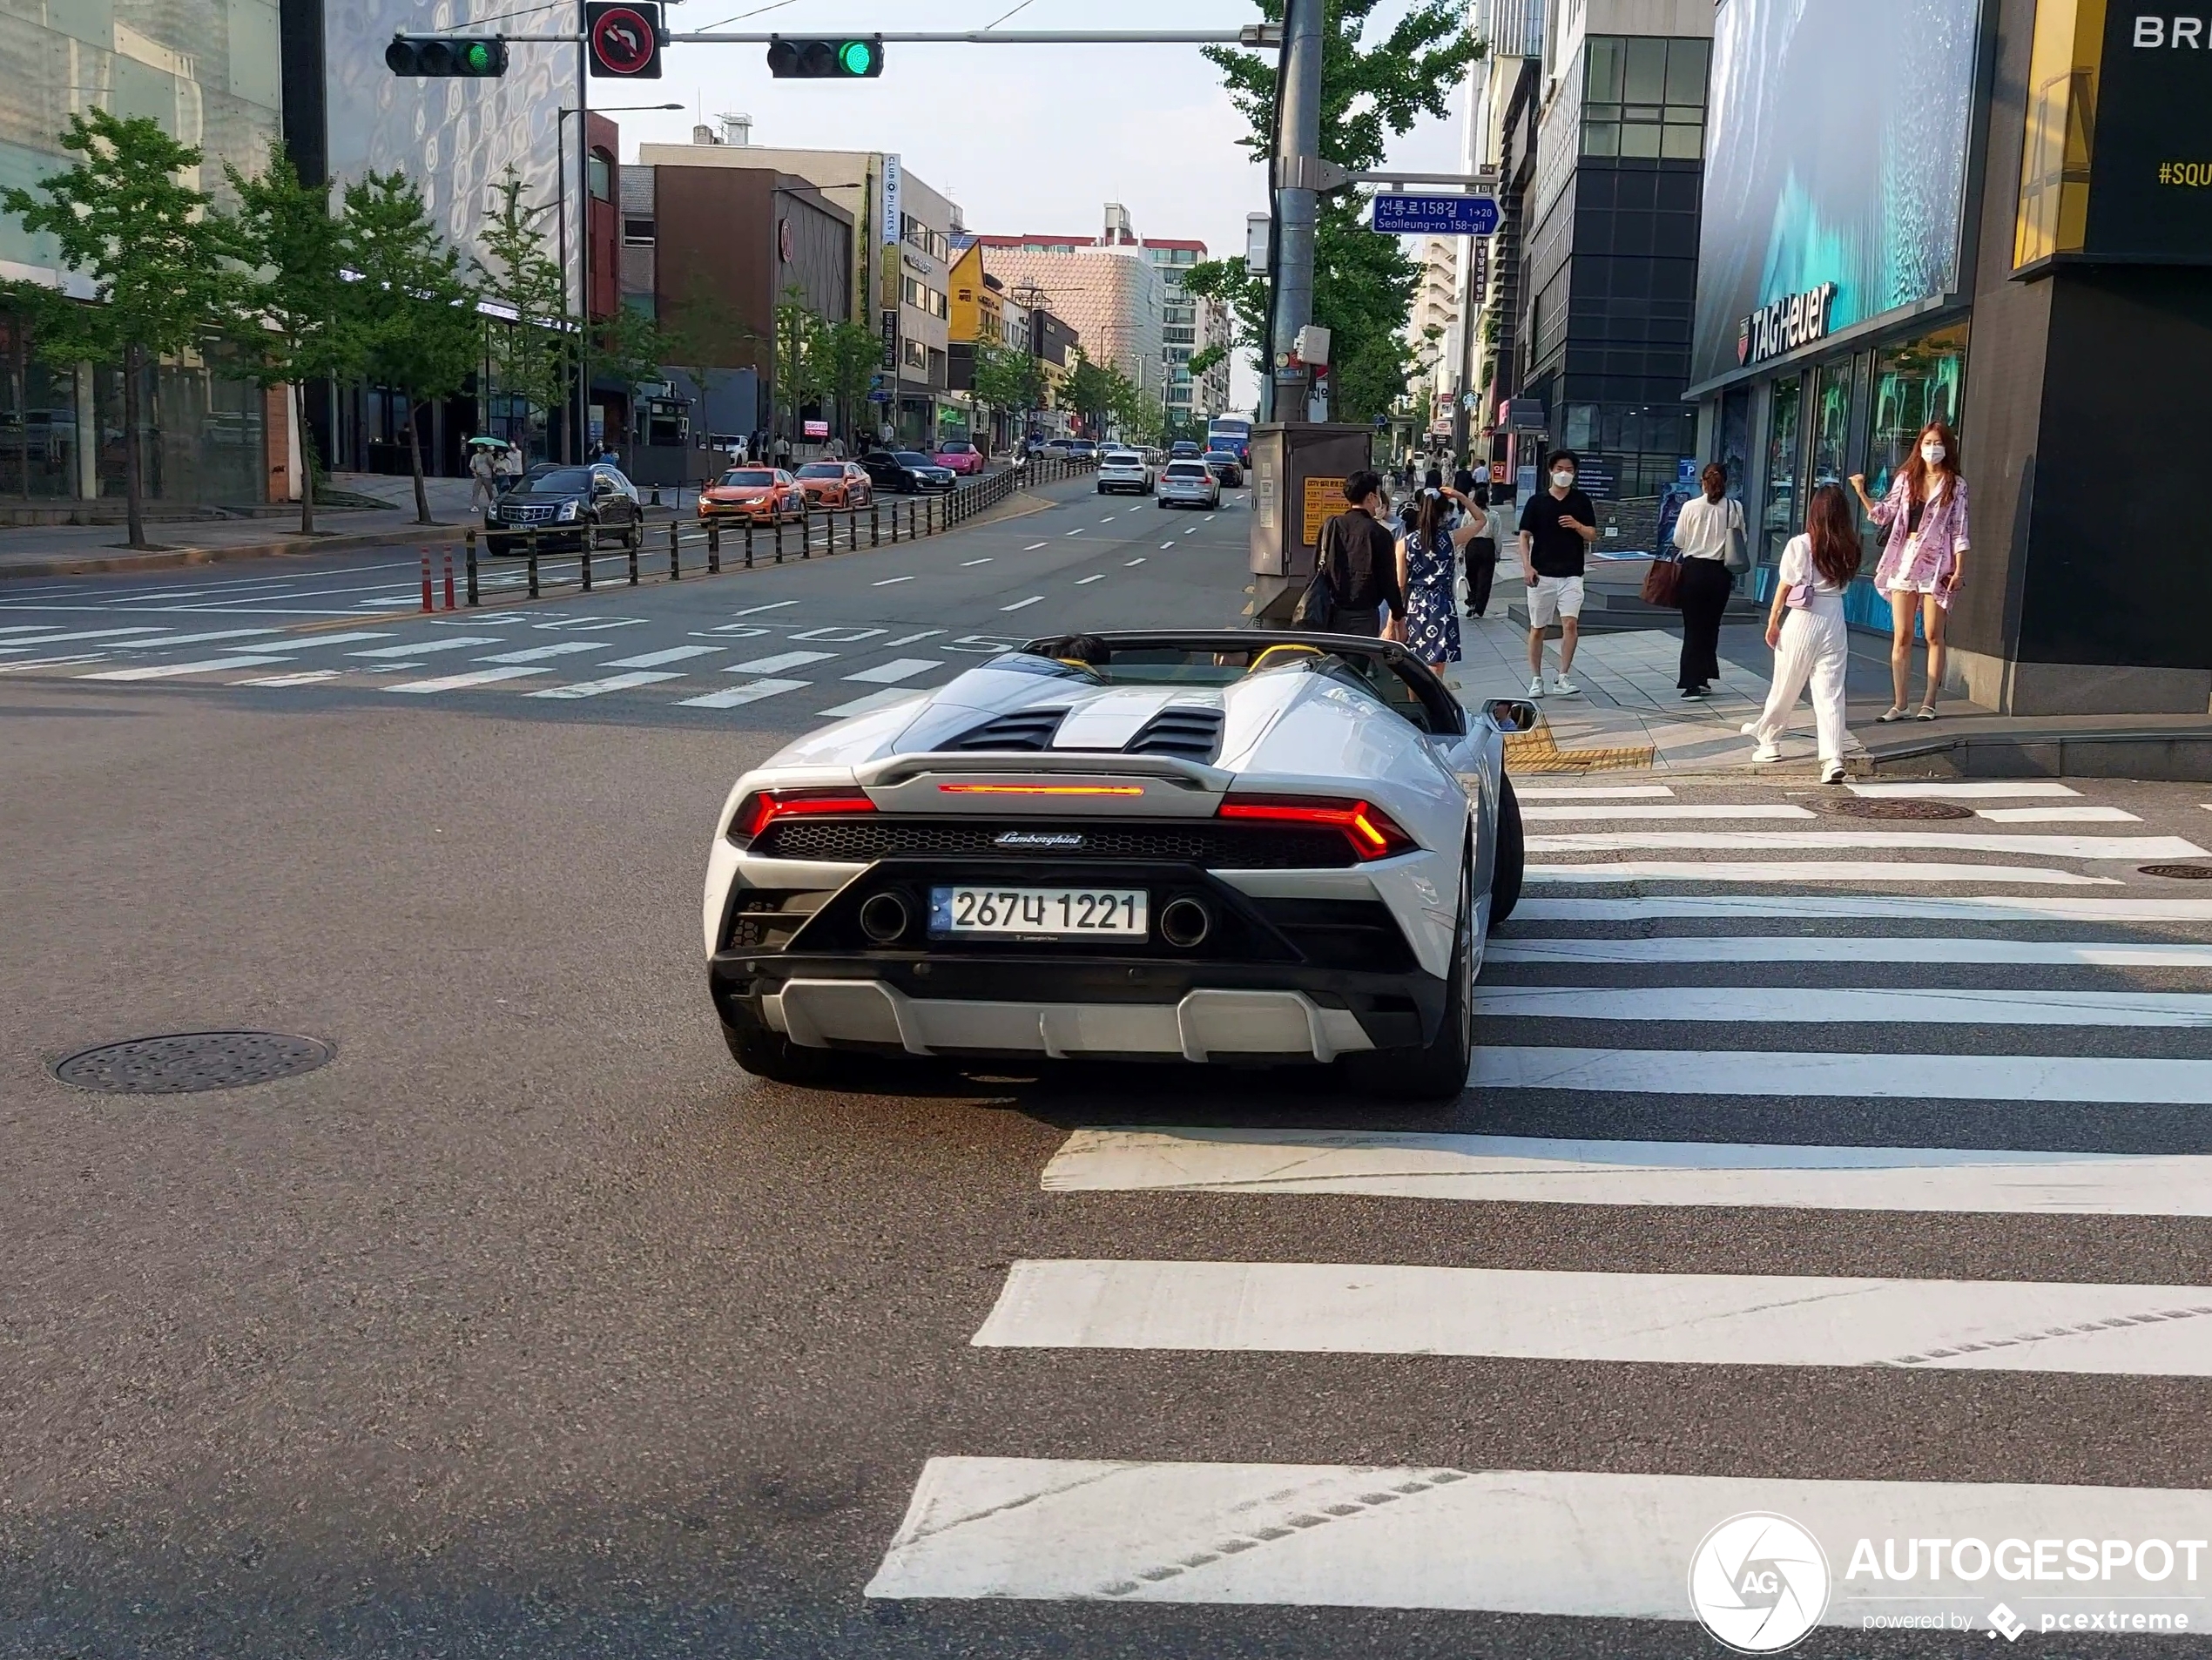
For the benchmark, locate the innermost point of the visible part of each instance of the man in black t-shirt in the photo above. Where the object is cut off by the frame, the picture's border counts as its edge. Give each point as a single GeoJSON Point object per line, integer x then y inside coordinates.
{"type": "Point", "coordinates": [1556, 529]}
{"type": "Point", "coordinates": [1360, 554]}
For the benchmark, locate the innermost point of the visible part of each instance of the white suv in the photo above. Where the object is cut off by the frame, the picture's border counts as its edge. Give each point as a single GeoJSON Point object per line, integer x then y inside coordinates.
{"type": "Point", "coordinates": [1124, 470]}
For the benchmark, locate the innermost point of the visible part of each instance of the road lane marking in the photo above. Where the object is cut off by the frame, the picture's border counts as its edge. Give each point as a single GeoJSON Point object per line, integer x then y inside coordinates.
{"type": "Point", "coordinates": [733, 696]}
{"type": "Point", "coordinates": [1085, 582]}
{"type": "Point", "coordinates": [903, 668]}
{"type": "Point", "coordinates": [298, 642]}
{"type": "Point", "coordinates": [1810, 870]}
{"type": "Point", "coordinates": [168, 671]}
{"type": "Point", "coordinates": [2130, 1081]}
{"type": "Point", "coordinates": [985, 560]}
{"type": "Point", "coordinates": [1542, 1169]}
{"type": "Point", "coordinates": [1952, 908]}
{"type": "Point", "coordinates": [1631, 1319]}
{"type": "Point", "coordinates": [839, 634]}
{"type": "Point", "coordinates": [908, 639]}
{"type": "Point", "coordinates": [781, 660]}
{"type": "Point", "coordinates": [535, 653]}
{"type": "Point", "coordinates": [751, 610]}
{"type": "Point", "coordinates": [1133, 563]}
{"type": "Point", "coordinates": [1333, 1536]}
{"type": "Point", "coordinates": [90, 634]}
{"type": "Point", "coordinates": [423, 648]}
{"type": "Point", "coordinates": [2057, 815]}
{"type": "Point", "coordinates": [1582, 792]}
{"type": "Point", "coordinates": [611, 683]}
{"type": "Point", "coordinates": [1812, 1005]}
{"type": "Point", "coordinates": [656, 659]}
{"type": "Point", "coordinates": [889, 582]}
{"type": "Point", "coordinates": [2053, 847]}
{"type": "Point", "coordinates": [305, 678]}
{"type": "Point", "coordinates": [474, 678]}
{"type": "Point", "coordinates": [1078, 530]}
{"type": "Point", "coordinates": [874, 700]}
{"type": "Point", "coordinates": [54, 662]}
{"type": "Point", "coordinates": [1165, 546]}
{"type": "Point", "coordinates": [166, 640]}
{"type": "Point", "coordinates": [1961, 790]}
{"type": "Point", "coordinates": [1022, 604]}
{"type": "Point", "coordinates": [1854, 947]}
{"type": "Point", "coordinates": [1572, 813]}
{"type": "Point", "coordinates": [1033, 546]}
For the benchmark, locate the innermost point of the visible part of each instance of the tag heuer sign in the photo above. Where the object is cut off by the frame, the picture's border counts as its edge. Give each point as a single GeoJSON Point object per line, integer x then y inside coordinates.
{"type": "Point", "coordinates": [1790, 322]}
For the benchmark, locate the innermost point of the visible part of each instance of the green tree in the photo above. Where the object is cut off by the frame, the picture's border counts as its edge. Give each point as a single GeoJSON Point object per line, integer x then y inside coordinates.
{"type": "Point", "coordinates": [705, 336]}
{"type": "Point", "coordinates": [1089, 390]}
{"type": "Point", "coordinates": [628, 349]}
{"type": "Point", "coordinates": [530, 357]}
{"type": "Point", "coordinates": [796, 368]}
{"type": "Point", "coordinates": [1363, 283]}
{"type": "Point", "coordinates": [297, 325]}
{"type": "Point", "coordinates": [847, 356]}
{"type": "Point", "coordinates": [416, 313]}
{"type": "Point", "coordinates": [1007, 380]}
{"type": "Point", "coordinates": [154, 249]}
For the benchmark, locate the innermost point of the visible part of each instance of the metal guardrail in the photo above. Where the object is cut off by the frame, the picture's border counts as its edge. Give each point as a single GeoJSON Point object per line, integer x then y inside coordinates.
{"type": "Point", "coordinates": [750, 546]}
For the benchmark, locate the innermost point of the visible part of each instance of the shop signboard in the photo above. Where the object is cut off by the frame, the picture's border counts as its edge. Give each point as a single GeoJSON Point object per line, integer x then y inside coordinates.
{"type": "Point", "coordinates": [1795, 201]}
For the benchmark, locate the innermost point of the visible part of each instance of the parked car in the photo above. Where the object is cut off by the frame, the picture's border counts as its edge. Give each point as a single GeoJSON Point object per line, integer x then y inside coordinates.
{"type": "Point", "coordinates": [960, 456]}
{"type": "Point", "coordinates": [568, 507]}
{"type": "Point", "coordinates": [1190, 484]}
{"type": "Point", "coordinates": [1125, 470]}
{"type": "Point", "coordinates": [755, 494]}
{"type": "Point", "coordinates": [1302, 842]}
{"type": "Point", "coordinates": [932, 476]}
{"type": "Point", "coordinates": [1225, 466]}
{"type": "Point", "coordinates": [1060, 447]}
{"type": "Point", "coordinates": [836, 484]}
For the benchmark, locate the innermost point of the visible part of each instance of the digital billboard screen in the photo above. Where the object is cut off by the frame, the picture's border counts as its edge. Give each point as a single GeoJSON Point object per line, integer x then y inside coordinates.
{"type": "Point", "coordinates": [1835, 163]}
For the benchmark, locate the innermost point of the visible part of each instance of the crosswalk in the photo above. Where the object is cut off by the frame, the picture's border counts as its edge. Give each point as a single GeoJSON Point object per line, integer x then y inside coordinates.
{"type": "Point", "coordinates": [2042, 1046]}
{"type": "Point", "coordinates": [825, 671]}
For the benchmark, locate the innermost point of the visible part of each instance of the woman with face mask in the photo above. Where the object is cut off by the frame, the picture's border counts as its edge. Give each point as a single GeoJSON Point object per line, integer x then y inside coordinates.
{"type": "Point", "coordinates": [1924, 560]}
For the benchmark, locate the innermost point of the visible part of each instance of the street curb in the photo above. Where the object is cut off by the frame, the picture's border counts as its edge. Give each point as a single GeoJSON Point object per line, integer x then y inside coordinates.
{"type": "Point", "coordinates": [94, 564]}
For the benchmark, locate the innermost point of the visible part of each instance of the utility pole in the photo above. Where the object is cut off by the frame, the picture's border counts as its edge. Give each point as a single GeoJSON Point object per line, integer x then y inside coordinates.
{"type": "Point", "coordinates": [1297, 181]}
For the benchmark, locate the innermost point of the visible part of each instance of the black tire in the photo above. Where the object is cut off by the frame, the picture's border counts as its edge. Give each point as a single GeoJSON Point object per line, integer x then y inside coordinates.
{"type": "Point", "coordinates": [770, 1055]}
{"type": "Point", "coordinates": [1437, 1070]}
{"type": "Point", "coordinates": [1511, 856]}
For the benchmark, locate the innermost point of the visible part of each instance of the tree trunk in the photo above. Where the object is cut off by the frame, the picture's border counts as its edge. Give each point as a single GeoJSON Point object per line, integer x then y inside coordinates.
{"type": "Point", "coordinates": [414, 457]}
{"type": "Point", "coordinates": [133, 502]}
{"type": "Point", "coordinates": [299, 399]}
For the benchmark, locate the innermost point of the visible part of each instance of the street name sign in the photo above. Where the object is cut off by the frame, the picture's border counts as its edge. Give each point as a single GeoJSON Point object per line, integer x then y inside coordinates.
{"type": "Point", "coordinates": [1403, 215]}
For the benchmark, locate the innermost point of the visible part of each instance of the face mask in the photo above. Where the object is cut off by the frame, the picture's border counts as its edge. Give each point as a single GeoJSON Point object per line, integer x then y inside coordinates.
{"type": "Point", "coordinates": [1932, 454]}
{"type": "Point", "coordinates": [1562, 480]}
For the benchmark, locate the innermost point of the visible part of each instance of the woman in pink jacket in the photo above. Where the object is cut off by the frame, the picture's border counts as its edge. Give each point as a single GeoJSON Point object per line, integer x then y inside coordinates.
{"type": "Point", "coordinates": [1924, 560]}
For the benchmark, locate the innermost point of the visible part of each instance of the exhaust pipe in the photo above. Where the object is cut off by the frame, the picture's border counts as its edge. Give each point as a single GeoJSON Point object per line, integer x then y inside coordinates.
{"type": "Point", "coordinates": [883, 917]}
{"type": "Point", "coordinates": [1185, 922]}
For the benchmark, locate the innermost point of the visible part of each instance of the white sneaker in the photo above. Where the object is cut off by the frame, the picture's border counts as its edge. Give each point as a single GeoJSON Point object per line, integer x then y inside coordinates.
{"type": "Point", "coordinates": [1766, 752]}
{"type": "Point", "coordinates": [1565, 687]}
{"type": "Point", "coordinates": [1750, 729]}
{"type": "Point", "coordinates": [1535, 685]}
{"type": "Point", "coordinates": [1832, 773]}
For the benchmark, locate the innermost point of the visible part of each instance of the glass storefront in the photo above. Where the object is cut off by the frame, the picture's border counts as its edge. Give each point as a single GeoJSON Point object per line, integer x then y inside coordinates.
{"type": "Point", "coordinates": [1830, 420]}
{"type": "Point", "coordinates": [38, 428]}
{"type": "Point", "coordinates": [1778, 517]}
{"type": "Point", "coordinates": [203, 437]}
{"type": "Point", "coordinates": [1914, 383]}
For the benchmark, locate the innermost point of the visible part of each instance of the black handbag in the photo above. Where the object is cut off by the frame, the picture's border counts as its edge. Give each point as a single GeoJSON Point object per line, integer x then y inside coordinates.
{"type": "Point", "coordinates": [1317, 605]}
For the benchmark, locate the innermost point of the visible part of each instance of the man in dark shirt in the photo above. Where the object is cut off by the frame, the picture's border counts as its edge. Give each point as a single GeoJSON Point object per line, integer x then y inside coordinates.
{"type": "Point", "coordinates": [1556, 529]}
{"type": "Point", "coordinates": [1360, 553]}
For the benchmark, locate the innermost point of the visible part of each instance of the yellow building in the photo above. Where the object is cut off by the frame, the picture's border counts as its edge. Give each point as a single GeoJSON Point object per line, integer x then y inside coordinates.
{"type": "Point", "coordinates": [977, 312]}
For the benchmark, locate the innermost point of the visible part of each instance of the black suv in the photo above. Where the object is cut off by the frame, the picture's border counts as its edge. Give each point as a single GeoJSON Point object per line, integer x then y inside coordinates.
{"type": "Point", "coordinates": [565, 505]}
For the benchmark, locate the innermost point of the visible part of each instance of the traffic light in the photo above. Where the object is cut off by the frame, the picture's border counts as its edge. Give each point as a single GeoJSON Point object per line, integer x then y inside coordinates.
{"type": "Point", "coordinates": [472, 56]}
{"type": "Point", "coordinates": [625, 38]}
{"type": "Point", "coordinates": [824, 60]}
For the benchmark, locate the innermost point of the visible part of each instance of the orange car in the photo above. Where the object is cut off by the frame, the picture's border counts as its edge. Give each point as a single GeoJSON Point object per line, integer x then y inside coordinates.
{"type": "Point", "coordinates": [759, 495]}
{"type": "Point", "coordinates": [836, 483]}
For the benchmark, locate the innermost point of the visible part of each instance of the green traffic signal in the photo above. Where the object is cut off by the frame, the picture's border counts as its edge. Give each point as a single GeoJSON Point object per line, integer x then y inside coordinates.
{"type": "Point", "coordinates": [792, 59]}
{"type": "Point", "coordinates": [468, 56]}
{"type": "Point", "coordinates": [857, 58]}
{"type": "Point", "coordinates": [478, 56]}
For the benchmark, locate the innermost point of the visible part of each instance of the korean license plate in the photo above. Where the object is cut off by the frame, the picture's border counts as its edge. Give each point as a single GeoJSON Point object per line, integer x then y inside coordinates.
{"type": "Point", "coordinates": [1037, 912]}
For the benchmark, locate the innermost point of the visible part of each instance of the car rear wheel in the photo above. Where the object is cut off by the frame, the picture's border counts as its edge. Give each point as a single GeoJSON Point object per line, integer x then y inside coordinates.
{"type": "Point", "coordinates": [1505, 870]}
{"type": "Point", "coordinates": [768, 1054]}
{"type": "Point", "coordinates": [1437, 1070]}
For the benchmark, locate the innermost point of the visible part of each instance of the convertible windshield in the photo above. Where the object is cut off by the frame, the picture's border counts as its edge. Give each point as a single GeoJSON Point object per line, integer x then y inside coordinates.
{"type": "Point", "coordinates": [566, 482]}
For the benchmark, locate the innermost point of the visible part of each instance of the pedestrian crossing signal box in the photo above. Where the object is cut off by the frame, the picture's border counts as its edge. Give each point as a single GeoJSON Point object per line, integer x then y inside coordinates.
{"type": "Point", "coordinates": [1298, 474]}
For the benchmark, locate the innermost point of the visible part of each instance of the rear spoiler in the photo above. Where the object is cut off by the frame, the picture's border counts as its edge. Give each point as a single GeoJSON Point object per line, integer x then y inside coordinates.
{"type": "Point", "coordinates": [898, 769]}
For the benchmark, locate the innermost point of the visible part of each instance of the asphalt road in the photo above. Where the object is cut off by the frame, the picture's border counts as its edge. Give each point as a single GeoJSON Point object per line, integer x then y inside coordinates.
{"type": "Point", "coordinates": [530, 1327]}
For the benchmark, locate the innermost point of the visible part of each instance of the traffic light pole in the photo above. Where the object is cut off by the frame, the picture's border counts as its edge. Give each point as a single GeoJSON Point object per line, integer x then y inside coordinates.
{"type": "Point", "coordinates": [1298, 199]}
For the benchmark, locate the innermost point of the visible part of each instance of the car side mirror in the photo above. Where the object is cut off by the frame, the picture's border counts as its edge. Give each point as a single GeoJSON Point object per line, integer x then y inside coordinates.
{"type": "Point", "coordinates": [1513, 714]}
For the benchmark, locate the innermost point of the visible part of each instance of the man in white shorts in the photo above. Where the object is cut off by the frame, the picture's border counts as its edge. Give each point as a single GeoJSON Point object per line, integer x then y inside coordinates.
{"type": "Point", "coordinates": [1556, 529]}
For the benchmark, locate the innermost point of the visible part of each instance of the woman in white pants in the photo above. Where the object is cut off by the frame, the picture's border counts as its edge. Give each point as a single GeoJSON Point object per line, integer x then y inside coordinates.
{"type": "Point", "coordinates": [1807, 631]}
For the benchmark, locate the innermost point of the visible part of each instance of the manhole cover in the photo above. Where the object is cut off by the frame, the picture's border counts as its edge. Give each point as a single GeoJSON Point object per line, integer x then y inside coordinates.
{"type": "Point", "coordinates": [183, 1061]}
{"type": "Point", "coordinates": [2179, 872]}
{"type": "Point", "coordinates": [1859, 807]}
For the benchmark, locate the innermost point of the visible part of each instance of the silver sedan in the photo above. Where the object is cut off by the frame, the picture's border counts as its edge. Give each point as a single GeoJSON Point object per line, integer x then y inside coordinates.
{"type": "Point", "coordinates": [1190, 484]}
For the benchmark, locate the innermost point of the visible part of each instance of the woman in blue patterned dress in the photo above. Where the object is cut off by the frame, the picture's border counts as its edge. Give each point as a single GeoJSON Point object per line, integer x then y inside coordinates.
{"type": "Point", "coordinates": [1431, 629]}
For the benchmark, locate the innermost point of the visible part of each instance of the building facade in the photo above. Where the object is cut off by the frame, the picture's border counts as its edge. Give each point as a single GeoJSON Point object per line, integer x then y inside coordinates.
{"type": "Point", "coordinates": [2036, 280]}
{"type": "Point", "coordinates": [213, 77]}
{"type": "Point", "coordinates": [1111, 290]}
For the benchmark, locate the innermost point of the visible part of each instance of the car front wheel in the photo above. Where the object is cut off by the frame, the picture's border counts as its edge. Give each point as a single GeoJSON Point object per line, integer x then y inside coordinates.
{"type": "Point", "coordinates": [1507, 867]}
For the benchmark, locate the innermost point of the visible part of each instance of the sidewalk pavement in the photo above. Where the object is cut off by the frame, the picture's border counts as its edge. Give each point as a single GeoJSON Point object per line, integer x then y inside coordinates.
{"type": "Point", "coordinates": [1630, 714]}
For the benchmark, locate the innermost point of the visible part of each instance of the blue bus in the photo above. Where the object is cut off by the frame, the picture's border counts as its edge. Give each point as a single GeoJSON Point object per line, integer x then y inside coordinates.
{"type": "Point", "coordinates": [1230, 432]}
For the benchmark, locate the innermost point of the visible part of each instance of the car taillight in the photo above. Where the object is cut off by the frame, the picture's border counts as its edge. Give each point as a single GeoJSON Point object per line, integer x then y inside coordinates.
{"type": "Point", "coordinates": [763, 808]}
{"type": "Point", "coordinates": [1372, 833]}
